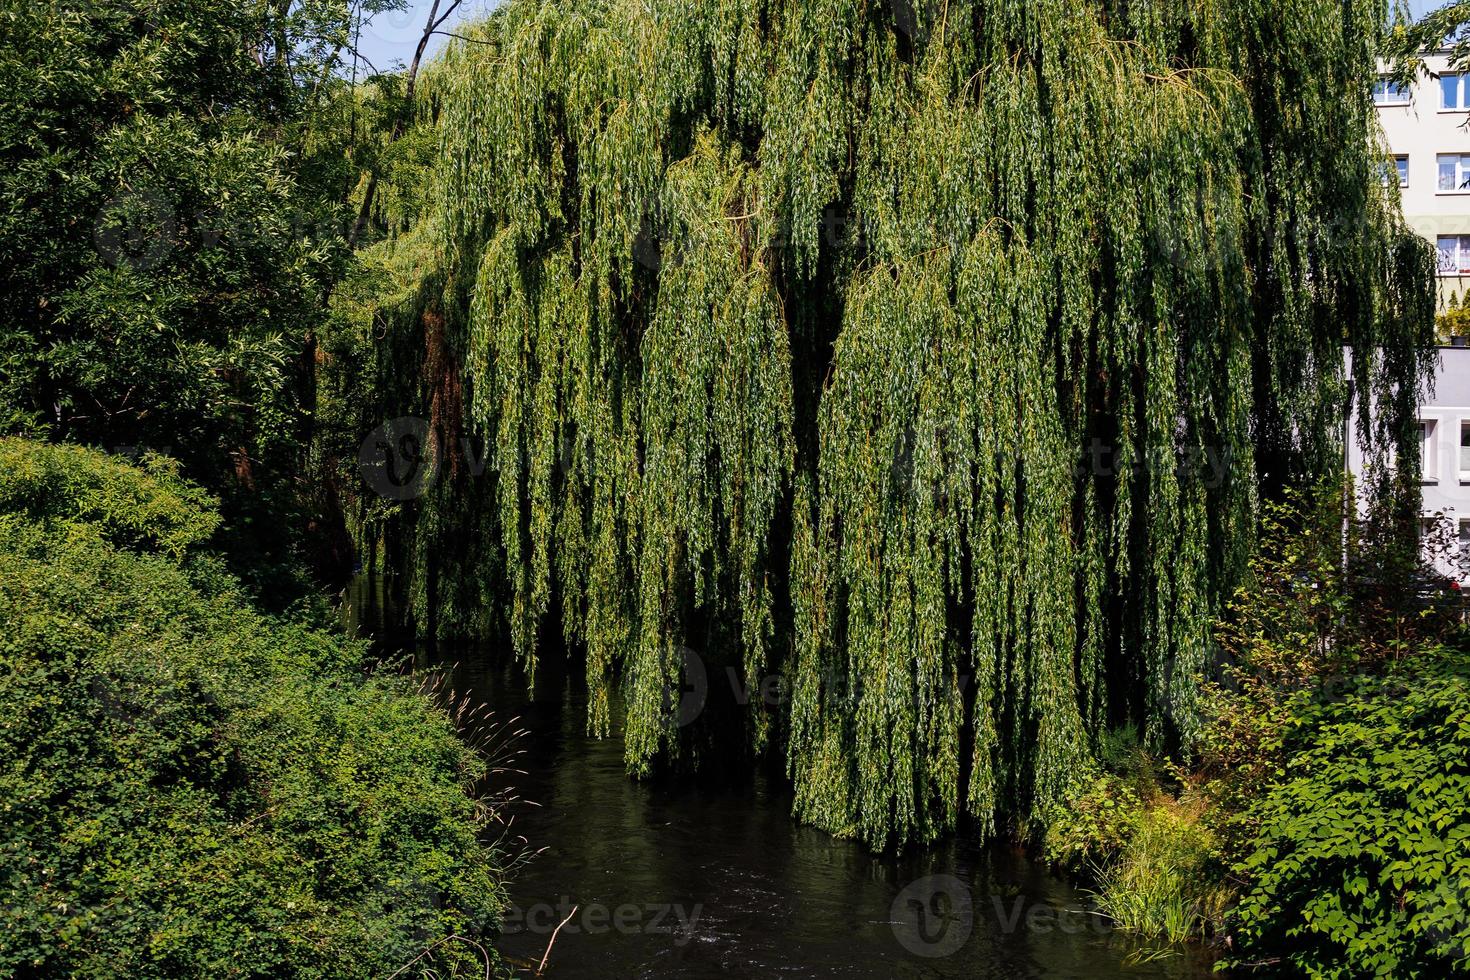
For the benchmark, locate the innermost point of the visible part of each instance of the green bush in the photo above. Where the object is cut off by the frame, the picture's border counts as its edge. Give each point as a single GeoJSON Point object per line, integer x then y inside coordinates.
{"type": "Point", "coordinates": [192, 789]}
{"type": "Point", "coordinates": [1092, 829]}
{"type": "Point", "coordinates": [142, 507]}
{"type": "Point", "coordinates": [1361, 864]}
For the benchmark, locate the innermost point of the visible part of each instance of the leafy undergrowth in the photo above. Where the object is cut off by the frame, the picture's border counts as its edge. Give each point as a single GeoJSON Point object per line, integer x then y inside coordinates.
{"type": "Point", "coordinates": [1320, 824]}
{"type": "Point", "coordinates": [1361, 863]}
{"type": "Point", "coordinates": [1146, 845]}
{"type": "Point", "coordinates": [190, 788]}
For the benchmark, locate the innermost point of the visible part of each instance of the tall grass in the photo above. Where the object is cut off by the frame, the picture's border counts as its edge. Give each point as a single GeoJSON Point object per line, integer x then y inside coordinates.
{"type": "Point", "coordinates": [1165, 883]}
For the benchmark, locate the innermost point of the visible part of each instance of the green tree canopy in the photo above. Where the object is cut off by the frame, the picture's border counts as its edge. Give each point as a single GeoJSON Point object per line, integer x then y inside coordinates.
{"type": "Point", "coordinates": [932, 356]}
{"type": "Point", "coordinates": [173, 193]}
{"type": "Point", "coordinates": [175, 188]}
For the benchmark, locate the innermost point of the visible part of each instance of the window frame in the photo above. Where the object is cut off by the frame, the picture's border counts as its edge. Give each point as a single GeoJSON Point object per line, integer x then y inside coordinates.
{"type": "Point", "coordinates": [1462, 173]}
{"type": "Point", "coordinates": [1428, 456]}
{"type": "Point", "coordinates": [1459, 78]}
{"type": "Point", "coordinates": [1460, 264]}
{"type": "Point", "coordinates": [1386, 86]}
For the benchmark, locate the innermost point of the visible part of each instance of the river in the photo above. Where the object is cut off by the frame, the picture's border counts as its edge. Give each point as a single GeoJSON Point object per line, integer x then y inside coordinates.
{"type": "Point", "coordinates": [711, 877]}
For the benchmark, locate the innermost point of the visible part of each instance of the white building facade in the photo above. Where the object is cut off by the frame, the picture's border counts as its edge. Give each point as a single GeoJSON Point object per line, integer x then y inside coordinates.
{"type": "Point", "coordinates": [1424, 126]}
{"type": "Point", "coordinates": [1428, 145]}
{"type": "Point", "coordinates": [1444, 431]}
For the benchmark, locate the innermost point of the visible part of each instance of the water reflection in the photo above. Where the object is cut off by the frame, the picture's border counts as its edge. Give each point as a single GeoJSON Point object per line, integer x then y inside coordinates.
{"type": "Point", "coordinates": [711, 877]}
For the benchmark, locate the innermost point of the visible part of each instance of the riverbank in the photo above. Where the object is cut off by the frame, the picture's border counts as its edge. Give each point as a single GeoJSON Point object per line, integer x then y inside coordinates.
{"type": "Point", "coordinates": [193, 788]}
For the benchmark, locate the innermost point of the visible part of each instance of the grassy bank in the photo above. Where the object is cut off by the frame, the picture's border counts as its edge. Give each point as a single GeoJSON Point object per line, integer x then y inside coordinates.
{"type": "Point", "coordinates": [191, 788]}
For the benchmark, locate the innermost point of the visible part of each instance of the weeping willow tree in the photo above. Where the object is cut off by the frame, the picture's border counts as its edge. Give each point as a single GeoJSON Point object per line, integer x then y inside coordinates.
{"type": "Point", "coordinates": [934, 357]}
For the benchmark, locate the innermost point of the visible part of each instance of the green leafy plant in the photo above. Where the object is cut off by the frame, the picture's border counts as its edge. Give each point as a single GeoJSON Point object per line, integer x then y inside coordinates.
{"type": "Point", "coordinates": [1361, 856]}
{"type": "Point", "coordinates": [1452, 322]}
{"type": "Point", "coordinates": [1140, 835]}
{"type": "Point", "coordinates": [1330, 594]}
{"type": "Point", "coordinates": [1092, 829]}
{"type": "Point", "coordinates": [143, 507]}
{"type": "Point", "coordinates": [189, 788]}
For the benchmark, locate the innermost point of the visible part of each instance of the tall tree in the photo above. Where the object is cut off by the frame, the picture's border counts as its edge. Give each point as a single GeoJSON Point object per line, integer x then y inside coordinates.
{"type": "Point", "coordinates": [934, 357]}
{"type": "Point", "coordinates": [173, 210]}
{"type": "Point", "coordinates": [174, 185]}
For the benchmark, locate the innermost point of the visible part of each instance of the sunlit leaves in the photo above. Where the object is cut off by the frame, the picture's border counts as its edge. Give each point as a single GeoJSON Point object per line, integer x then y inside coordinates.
{"type": "Point", "coordinates": [925, 359]}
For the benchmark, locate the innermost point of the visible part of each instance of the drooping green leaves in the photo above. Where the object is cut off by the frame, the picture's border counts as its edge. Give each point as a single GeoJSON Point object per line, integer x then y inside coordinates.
{"type": "Point", "coordinates": [932, 358]}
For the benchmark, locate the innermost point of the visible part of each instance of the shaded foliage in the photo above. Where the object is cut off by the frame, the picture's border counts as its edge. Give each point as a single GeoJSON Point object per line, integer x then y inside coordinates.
{"type": "Point", "coordinates": [174, 186]}
{"type": "Point", "coordinates": [937, 363]}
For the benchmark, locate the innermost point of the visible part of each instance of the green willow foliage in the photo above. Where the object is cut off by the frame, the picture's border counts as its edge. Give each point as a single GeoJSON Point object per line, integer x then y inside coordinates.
{"type": "Point", "coordinates": [934, 357]}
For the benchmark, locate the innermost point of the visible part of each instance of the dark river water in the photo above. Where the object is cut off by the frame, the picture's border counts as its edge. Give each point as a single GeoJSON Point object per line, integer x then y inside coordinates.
{"type": "Point", "coordinates": [712, 877]}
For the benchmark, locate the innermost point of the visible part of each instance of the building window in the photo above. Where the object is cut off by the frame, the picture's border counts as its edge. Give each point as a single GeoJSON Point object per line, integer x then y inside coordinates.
{"type": "Point", "coordinates": [1428, 464]}
{"type": "Point", "coordinates": [1454, 254]}
{"type": "Point", "coordinates": [1388, 92]}
{"type": "Point", "coordinates": [1427, 527]}
{"type": "Point", "coordinates": [1465, 451]}
{"type": "Point", "coordinates": [1464, 533]}
{"type": "Point", "coordinates": [1452, 91]}
{"type": "Point", "coordinates": [1454, 172]}
{"type": "Point", "coordinates": [1399, 172]}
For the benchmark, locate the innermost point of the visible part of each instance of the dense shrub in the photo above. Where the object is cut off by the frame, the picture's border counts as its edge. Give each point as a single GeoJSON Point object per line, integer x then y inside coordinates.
{"type": "Point", "coordinates": [1092, 828]}
{"type": "Point", "coordinates": [142, 507]}
{"type": "Point", "coordinates": [1362, 858]}
{"type": "Point", "coordinates": [1333, 754]}
{"type": "Point", "coordinates": [1332, 593]}
{"type": "Point", "coordinates": [192, 789]}
{"type": "Point", "coordinates": [1325, 784]}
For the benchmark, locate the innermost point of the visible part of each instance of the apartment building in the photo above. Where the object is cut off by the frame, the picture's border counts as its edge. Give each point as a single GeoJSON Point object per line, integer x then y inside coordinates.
{"type": "Point", "coordinates": [1444, 431]}
{"type": "Point", "coordinates": [1428, 144]}
{"type": "Point", "coordinates": [1424, 125]}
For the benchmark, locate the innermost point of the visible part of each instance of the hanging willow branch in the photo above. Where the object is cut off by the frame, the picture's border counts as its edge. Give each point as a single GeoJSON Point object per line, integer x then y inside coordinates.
{"type": "Point", "coordinates": [933, 356]}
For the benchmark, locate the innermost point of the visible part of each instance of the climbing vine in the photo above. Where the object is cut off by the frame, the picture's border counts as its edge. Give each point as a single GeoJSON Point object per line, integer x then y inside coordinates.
{"type": "Point", "coordinates": [931, 356]}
